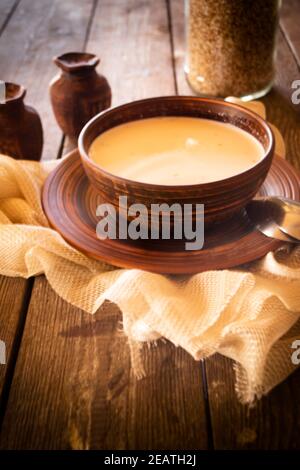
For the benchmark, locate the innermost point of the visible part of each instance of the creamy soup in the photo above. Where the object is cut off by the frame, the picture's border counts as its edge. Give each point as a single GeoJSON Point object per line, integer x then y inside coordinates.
{"type": "Point", "coordinates": [175, 150]}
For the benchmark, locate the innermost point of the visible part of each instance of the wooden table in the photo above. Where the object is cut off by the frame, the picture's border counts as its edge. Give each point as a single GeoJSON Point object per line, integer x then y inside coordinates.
{"type": "Point", "coordinates": [67, 383]}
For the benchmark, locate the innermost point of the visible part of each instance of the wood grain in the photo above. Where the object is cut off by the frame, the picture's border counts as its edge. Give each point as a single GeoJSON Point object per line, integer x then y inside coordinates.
{"type": "Point", "coordinates": [72, 386]}
{"type": "Point", "coordinates": [132, 39]}
{"type": "Point", "coordinates": [37, 31]}
{"type": "Point", "coordinates": [279, 106]}
{"type": "Point", "coordinates": [14, 293]}
{"type": "Point", "coordinates": [289, 22]}
{"type": "Point", "coordinates": [13, 307]}
{"type": "Point", "coordinates": [177, 17]}
{"type": "Point", "coordinates": [274, 422]}
{"type": "Point", "coordinates": [7, 8]}
{"type": "Point", "coordinates": [32, 65]}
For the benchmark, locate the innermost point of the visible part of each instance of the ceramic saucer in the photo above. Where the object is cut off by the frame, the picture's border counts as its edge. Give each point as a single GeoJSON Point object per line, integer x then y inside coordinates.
{"type": "Point", "coordinates": [70, 204]}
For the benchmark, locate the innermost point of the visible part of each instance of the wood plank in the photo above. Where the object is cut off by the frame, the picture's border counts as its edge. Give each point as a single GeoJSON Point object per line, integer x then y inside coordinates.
{"type": "Point", "coordinates": [289, 22]}
{"type": "Point", "coordinates": [37, 31]}
{"type": "Point", "coordinates": [269, 425]}
{"type": "Point", "coordinates": [13, 292]}
{"type": "Point", "coordinates": [73, 387]}
{"type": "Point", "coordinates": [12, 313]}
{"type": "Point", "coordinates": [28, 49]}
{"type": "Point", "coordinates": [7, 8]}
{"type": "Point", "coordinates": [280, 109]}
{"type": "Point", "coordinates": [132, 40]}
{"type": "Point", "coordinates": [178, 33]}
{"type": "Point", "coordinates": [31, 65]}
{"type": "Point", "coordinates": [272, 423]}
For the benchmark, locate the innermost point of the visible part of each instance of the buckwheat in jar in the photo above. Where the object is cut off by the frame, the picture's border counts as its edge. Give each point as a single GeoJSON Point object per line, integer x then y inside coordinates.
{"type": "Point", "coordinates": [230, 46]}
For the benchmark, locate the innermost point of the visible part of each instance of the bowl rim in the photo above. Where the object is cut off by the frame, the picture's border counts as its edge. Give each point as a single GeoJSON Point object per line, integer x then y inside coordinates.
{"type": "Point", "coordinates": [86, 160]}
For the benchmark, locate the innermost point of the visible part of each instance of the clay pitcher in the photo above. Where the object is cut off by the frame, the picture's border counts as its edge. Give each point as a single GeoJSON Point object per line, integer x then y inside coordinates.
{"type": "Point", "coordinates": [21, 133]}
{"type": "Point", "coordinates": [78, 93]}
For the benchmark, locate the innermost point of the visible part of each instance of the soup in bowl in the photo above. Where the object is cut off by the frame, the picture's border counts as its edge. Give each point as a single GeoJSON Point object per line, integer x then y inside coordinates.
{"type": "Point", "coordinates": [178, 149]}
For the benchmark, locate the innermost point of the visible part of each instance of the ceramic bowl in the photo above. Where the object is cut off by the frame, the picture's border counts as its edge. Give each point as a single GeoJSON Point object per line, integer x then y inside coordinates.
{"type": "Point", "coordinates": [221, 199]}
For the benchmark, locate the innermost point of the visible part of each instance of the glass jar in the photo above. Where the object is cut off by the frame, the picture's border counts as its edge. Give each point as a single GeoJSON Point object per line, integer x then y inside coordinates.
{"type": "Point", "coordinates": [230, 46]}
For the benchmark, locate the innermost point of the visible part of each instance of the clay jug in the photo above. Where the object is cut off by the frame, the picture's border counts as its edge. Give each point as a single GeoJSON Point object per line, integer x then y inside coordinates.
{"type": "Point", "coordinates": [21, 133]}
{"type": "Point", "coordinates": [78, 93]}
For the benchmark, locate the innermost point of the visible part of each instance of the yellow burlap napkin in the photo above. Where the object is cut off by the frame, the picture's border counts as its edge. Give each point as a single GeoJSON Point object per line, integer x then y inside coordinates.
{"type": "Point", "coordinates": [250, 315]}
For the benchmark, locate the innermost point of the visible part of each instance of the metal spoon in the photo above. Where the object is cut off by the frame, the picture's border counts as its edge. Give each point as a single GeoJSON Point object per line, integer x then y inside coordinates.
{"type": "Point", "coordinates": [276, 217]}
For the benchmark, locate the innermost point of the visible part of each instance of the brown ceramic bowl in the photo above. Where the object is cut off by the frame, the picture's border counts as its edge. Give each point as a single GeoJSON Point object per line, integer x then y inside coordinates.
{"type": "Point", "coordinates": [221, 198]}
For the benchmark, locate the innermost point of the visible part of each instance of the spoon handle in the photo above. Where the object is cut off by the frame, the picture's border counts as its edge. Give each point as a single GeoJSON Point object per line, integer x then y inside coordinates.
{"type": "Point", "coordinates": [289, 204]}
{"type": "Point", "coordinates": [290, 223]}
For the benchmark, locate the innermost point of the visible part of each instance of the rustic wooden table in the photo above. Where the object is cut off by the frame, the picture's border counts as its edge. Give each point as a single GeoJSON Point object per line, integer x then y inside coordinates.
{"type": "Point", "coordinates": [67, 383]}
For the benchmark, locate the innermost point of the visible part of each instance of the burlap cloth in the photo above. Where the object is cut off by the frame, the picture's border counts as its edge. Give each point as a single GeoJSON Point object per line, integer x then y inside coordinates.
{"type": "Point", "coordinates": [248, 314]}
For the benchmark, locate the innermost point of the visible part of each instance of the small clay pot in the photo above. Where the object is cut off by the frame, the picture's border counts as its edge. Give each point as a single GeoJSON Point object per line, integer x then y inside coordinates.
{"type": "Point", "coordinates": [21, 133]}
{"type": "Point", "coordinates": [78, 92]}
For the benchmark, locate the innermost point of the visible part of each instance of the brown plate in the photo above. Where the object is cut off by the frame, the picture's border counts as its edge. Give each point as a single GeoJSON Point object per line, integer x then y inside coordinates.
{"type": "Point", "coordinates": [70, 204]}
